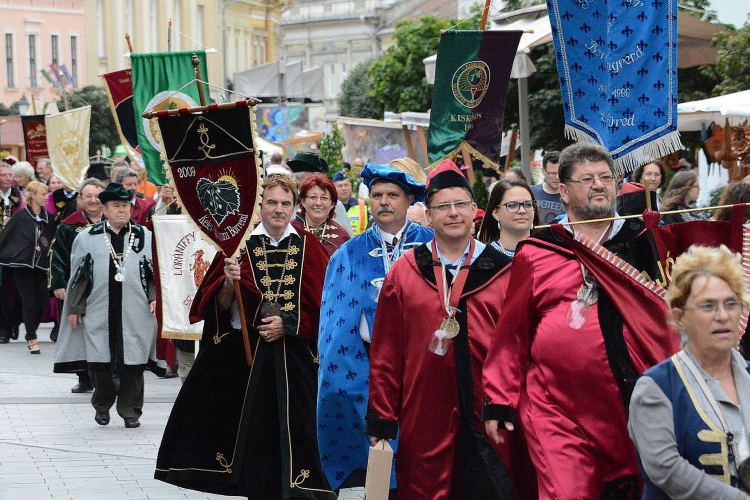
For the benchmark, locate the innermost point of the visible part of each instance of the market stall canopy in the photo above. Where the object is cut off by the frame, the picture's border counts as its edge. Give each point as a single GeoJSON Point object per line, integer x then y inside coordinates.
{"type": "Point", "coordinates": [265, 81]}
{"type": "Point", "coordinates": [696, 114]}
{"type": "Point", "coordinates": [693, 42]}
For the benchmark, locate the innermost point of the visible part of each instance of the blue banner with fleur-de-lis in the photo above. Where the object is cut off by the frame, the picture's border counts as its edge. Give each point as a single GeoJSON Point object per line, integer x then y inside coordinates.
{"type": "Point", "coordinates": [617, 66]}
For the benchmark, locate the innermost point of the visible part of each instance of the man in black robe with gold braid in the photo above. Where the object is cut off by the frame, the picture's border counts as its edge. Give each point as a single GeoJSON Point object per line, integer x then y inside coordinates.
{"type": "Point", "coordinates": [250, 431]}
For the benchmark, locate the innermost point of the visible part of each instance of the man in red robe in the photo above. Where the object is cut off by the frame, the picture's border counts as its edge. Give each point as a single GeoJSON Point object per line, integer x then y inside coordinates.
{"type": "Point", "coordinates": [433, 325]}
{"type": "Point", "coordinates": [250, 430]}
{"type": "Point", "coordinates": [564, 360]}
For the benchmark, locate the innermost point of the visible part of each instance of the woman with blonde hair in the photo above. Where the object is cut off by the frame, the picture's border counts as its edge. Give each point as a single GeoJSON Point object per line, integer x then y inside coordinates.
{"type": "Point", "coordinates": [686, 417]}
{"type": "Point", "coordinates": [411, 167]}
{"type": "Point", "coordinates": [24, 250]}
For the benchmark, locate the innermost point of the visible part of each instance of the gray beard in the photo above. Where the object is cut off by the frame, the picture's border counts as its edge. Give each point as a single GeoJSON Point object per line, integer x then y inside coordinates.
{"type": "Point", "coordinates": [587, 212]}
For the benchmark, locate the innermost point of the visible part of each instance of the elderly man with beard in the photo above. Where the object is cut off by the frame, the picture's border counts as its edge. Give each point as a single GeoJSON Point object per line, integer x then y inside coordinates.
{"type": "Point", "coordinates": [562, 364]}
{"type": "Point", "coordinates": [62, 246]}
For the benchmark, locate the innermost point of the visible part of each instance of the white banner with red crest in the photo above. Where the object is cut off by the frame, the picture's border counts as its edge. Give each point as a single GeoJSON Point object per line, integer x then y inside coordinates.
{"type": "Point", "coordinates": [182, 256]}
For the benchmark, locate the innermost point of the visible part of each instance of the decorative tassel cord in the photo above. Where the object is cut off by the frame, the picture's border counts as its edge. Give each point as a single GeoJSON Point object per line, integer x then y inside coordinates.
{"type": "Point", "coordinates": [635, 216]}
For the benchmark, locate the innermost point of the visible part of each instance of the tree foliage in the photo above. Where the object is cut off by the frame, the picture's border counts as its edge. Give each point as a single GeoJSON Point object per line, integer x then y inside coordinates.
{"type": "Point", "coordinates": [330, 149]}
{"type": "Point", "coordinates": [103, 128]}
{"type": "Point", "coordinates": [353, 100]}
{"type": "Point", "coordinates": [733, 61]}
{"type": "Point", "coordinates": [398, 79]}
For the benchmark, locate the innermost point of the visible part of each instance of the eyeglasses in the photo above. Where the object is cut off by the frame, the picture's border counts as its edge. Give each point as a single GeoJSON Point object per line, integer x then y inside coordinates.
{"type": "Point", "coordinates": [314, 199]}
{"type": "Point", "coordinates": [588, 181]}
{"type": "Point", "coordinates": [553, 174]}
{"type": "Point", "coordinates": [460, 205]}
{"type": "Point", "coordinates": [514, 206]}
{"type": "Point", "coordinates": [730, 306]}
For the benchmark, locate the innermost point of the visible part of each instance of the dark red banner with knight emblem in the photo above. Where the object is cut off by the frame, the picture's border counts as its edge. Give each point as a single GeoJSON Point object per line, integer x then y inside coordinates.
{"type": "Point", "coordinates": [34, 138]}
{"type": "Point", "coordinates": [212, 160]}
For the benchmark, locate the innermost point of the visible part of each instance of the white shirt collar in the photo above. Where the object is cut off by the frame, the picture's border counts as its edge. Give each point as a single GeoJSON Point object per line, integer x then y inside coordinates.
{"type": "Point", "coordinates": [260, 229]}
{"type": "Point", "coordinates": [616, 226]}
{"type": "Point", "coordinates": [388, 237]}
{"type": "Point", "coordinates": [6, 196]}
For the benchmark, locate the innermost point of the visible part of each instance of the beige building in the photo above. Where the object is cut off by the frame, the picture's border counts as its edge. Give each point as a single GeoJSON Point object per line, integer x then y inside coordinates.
{"type": "Point", "coordinates": [36, 34]}
{"type": "Point", "coordinates": [250, 28]}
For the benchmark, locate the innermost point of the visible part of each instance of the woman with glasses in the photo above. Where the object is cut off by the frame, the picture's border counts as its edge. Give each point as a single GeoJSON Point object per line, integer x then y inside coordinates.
{"type": "Point", "coordinates": [681, 194]}
{"type": "Point", "coordinates": [509, 216]}
{"type": "Point", "coordinates": [686, 413]}
{"type": "Point", "coordinates": [317, 200]}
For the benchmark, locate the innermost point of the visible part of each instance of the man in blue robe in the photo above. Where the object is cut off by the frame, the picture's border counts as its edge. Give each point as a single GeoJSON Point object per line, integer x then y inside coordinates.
{"type": "Point", "coordinates": [353, 279]}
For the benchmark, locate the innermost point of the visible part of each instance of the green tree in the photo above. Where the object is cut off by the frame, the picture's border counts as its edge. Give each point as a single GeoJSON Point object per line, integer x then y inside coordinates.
{"type": "Point", "coordinates": [5, 110]}
{"type": "Point", "coordinates": [103, 129]}
{"type": "Point", "coordinates": [330, 149]}
{"type": "Point", "coordinates": [733, 61]}
{"type": "Point", "coordinates": [398, 79]}
{"type": "Point", "coordinates": [481, 194]}
{"type": "Point", "coordinates": [353, 100]}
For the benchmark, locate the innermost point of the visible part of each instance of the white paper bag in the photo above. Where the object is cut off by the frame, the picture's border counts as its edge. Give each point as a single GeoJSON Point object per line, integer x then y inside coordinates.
{"type": "Point", "coordinates": [379, 463]}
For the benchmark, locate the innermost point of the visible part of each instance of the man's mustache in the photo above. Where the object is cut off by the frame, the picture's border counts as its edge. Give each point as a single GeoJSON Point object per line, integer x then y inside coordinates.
{"type": "Point", "coordinates": [385, 210]}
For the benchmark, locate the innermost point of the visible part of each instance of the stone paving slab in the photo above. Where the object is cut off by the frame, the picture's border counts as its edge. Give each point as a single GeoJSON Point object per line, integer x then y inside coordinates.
{"type": "Point", "coordinates": [51, 448]}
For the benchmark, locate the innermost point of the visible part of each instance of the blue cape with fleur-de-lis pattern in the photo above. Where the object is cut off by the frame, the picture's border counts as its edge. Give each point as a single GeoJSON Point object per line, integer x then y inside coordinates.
{"type": "Point", "coordinates": [344, 364]}
{"type": "Point", "coordinates": [617, 66]}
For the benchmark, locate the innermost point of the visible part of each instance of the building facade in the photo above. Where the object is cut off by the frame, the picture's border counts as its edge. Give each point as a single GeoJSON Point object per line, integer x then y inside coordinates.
{"type": "Point", "coordinates": [35, 35]}
{"type": "Point", "coordinates": [244, 33]}
{"type": "Point", "coordinates": [339, 35]}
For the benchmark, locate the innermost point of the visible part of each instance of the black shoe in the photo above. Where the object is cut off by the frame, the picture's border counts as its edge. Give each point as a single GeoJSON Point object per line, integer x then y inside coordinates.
{"type": "Point", "coordinates": [102, 417]}
{"type": "Point", "coordinates": [53, 334]}
{"type": "Point", "coordinates": [82, 387]}
{"type": "Point", "coordinates": [4, 340]}
{"type": "Point", "coordinates": [132, 423]}
{"type": "Point", "coordinates": [14, 332]}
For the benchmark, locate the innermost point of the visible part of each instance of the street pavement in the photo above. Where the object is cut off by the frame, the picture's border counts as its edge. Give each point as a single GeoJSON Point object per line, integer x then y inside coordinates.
{"type": "Point", "coordinates": [51, 448]}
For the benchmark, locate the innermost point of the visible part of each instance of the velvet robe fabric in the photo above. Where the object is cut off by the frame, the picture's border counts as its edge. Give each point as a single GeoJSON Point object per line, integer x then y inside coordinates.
{"type": "Point", "coordinates": [435, 401]}
{"type": "Point", "coordinates": [558, 382]}
{"type": "Point", "coordinates": [250, 431]}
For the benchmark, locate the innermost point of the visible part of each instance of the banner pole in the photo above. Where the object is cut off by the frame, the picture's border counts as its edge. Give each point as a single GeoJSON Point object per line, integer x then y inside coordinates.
{"type": "Point", "coordinates": [635, 216]}
{"type": "Point", "coordinates": [485, 13]}
{"type": "Point", "coordinates": [243, 323]}
{"type": "Point", "coordinates": [130, 44]}
{"type": "Point", "coordinates": [200, 109]}
{"type": "Point", "coordinates": [197, 65]}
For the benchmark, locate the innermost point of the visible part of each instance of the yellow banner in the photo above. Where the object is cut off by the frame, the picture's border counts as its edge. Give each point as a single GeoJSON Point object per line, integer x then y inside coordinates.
{"type": "Point", "coordinates": [68, 144]}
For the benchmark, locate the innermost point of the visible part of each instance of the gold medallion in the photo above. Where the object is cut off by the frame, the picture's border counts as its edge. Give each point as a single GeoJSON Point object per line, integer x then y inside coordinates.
{"type": "Point", "coordinates": [450, 325]}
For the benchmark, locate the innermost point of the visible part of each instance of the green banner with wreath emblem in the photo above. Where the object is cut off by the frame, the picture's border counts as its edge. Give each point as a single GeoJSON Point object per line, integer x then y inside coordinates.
{"type": "Point", "coordinates": [468, 103]}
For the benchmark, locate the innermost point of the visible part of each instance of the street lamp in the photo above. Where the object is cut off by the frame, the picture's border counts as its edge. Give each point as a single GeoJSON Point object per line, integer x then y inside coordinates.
{"type": "Point", "coordinates": [23, 105]}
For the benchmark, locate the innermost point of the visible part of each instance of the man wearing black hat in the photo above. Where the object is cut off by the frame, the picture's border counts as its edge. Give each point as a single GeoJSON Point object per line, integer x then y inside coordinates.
{"type": "Point", "coordinates": [435, 314]}
{"type": "Point", "coordinates": [111, 269]}
{"type": "Point", "coordinates": [62, 246]}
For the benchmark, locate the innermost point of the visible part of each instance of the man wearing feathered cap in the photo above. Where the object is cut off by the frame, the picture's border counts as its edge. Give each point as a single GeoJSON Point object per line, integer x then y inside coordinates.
{"type": "Point", "coordinates": [432, 330]}
{"type": "Point", "coordinates": [108, 315]}
{"type": "Point", "coordinates": [350, 295]}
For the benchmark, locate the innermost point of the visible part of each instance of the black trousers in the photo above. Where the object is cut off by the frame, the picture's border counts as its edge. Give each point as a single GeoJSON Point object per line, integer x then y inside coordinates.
{"type": "Point", "coordinates": [10, 304]}
{"type": "Point", "coordinates": [129, 398]}
{"type": "Point", "coordinates": [32, 288]}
